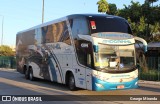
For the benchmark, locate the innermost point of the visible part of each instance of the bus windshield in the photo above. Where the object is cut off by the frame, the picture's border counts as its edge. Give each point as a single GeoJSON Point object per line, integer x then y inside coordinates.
{"type": "Point", "coordinates": [109, 24]}
{"type": "Point", "coordinates": [111, 57]}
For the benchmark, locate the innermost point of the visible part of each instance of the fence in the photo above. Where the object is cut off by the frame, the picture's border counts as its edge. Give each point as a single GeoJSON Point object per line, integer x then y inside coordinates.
{"type": "Point", "coordinates": [153, 63]}
{"type": "Point", "coordinates": [7, 62]}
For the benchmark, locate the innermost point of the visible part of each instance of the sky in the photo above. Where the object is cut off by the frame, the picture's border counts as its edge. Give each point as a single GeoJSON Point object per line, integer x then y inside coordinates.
{"type": "Point", "coordinates": [23, 14]}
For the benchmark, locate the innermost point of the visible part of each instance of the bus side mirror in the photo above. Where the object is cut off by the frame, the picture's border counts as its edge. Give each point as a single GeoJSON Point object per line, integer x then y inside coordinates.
{"type": "Point", "coordinates": [143, 41]}
{"type": "Point", "coordinates": [138, 66]}
{"type": "Point", "coordinates": [145, 48]}
{"type": "Point", "coordinates": [95, 47]}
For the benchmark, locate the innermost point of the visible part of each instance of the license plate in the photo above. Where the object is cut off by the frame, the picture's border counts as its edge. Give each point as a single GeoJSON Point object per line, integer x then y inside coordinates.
{"type": "Point", "coordinates": [120, 87]}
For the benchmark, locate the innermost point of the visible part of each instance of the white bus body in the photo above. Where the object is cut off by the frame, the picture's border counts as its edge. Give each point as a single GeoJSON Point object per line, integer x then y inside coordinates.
{"type": "Point", "coordinates": [94, 52]}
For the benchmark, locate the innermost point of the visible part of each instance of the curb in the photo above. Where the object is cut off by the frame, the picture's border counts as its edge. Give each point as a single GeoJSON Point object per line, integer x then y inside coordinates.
{"type": "Point", "coordinates": [7, 69]}
{"type": "Point", "coordinates": [149, 82]}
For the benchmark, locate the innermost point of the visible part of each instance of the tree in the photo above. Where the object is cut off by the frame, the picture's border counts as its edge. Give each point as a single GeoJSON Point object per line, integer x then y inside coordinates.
{"type": "Point", "coordinates": [6, 51]}
{"type": "Point", "coordinates": [156, 32]}
{"type": "Point", "coordinates": [151, 1]}
{"type": "Point", "coordinates": [143, 19]}
{"type": "Point", "coordinates": [112, 9]}
{"type": "Point", "coordinates": [133, 11]}
{"type": "Point", "coordinates": [103, 6]}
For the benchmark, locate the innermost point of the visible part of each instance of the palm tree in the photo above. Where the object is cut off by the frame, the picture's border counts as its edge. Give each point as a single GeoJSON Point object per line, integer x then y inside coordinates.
{"type": "Point", "coordinates": [103, 6]}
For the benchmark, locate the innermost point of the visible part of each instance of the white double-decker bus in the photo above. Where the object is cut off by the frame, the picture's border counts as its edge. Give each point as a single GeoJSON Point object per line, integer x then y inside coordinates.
{"type": "Point", "coordinates": [89, 51]}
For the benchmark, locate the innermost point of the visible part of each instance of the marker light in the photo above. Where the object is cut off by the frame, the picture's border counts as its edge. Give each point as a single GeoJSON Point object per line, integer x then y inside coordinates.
{"type": "Point", "coordinates": [95, 47]}
{"type": "Point", "coordinates": [136, 83]}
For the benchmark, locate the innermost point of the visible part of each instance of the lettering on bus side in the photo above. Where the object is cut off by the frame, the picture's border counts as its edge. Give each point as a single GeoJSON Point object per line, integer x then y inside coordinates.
{"type": "Point", "coordinates": [124, 36]}
{"type": "Point", "coordinates": [54, 46]}
{"type": "Point", "coordinates": [117, 41]}
{"type": "Point", "coordinates": [84, 45]}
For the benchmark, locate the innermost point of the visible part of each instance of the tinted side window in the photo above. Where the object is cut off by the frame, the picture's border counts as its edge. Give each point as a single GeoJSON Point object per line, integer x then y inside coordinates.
{"type": "Point", "coordinates": [79, 26]}
{"type": "Point", "coordinates": [64, 37]}
{"type": "Point", "coordinates": [52, 33]}
{"type": "Point", "coordinates": [38, 36]}
{"type": "Point", "coordinates": [49, 34]}
{"type": "Point", "coordinates": [84, 52]}
{"type": "Point", "coordinates": [57, 32]}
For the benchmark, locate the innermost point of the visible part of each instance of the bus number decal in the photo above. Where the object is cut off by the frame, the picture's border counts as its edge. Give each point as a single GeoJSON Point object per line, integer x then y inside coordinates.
{"type": "Point", "coordinates": [93, 24]}
{"type": "Point", "coordinates": [84, 45]}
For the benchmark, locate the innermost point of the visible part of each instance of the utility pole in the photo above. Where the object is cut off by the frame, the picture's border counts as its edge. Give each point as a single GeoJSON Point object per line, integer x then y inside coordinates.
{"type": "Point", "coordinates": [42, 11]}
{"type": "Point", "coordinates": [2, 29]}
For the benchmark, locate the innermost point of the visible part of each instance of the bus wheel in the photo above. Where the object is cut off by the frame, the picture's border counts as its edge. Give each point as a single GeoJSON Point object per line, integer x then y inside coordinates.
{"type": "Point", "coordinates": [31, 77]}
{"type": "Point", "coordinates": [71, 83]}
{"type": "Point", "coordinates": [26, 74]}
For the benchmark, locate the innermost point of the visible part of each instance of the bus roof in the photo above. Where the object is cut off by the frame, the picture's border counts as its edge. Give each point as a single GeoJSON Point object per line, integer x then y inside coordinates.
{"type": "Point", "coordinates": [70, 17]}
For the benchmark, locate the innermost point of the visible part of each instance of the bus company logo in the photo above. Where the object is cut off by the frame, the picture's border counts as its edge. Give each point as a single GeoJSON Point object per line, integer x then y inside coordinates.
{"type": "Point", "coordinates": [6, 98]}
{"type": "Point", "coordinates": [121, 80]}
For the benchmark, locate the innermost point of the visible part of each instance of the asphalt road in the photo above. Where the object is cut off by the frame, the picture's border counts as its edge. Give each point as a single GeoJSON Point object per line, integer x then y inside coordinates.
{"type": "Point", "coordinates": [14, 83]}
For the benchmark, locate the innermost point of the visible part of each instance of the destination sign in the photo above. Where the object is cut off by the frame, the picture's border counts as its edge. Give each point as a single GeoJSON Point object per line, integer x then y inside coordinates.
{"type": "Point", "coordinates": [113, 35]}
{"type": "Point", "coordinates": [128, 41]}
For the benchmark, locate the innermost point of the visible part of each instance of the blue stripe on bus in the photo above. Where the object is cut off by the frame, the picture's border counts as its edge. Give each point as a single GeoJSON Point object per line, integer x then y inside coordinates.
{"type": "Point", "coordinates": [113, 86]}
{"type": "Point", "coordinates": [56, 61]}
{"type": "Point", "coordinates": [53, 71]}
{"type": "Point", "coordinates": [59, 67]}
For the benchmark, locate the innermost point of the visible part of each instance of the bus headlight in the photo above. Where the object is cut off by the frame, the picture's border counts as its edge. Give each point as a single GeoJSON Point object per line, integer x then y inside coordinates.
{"type": "Point", "coordinates": [100, 77]}
{"type": "Point", "coordinates": [99, 85]}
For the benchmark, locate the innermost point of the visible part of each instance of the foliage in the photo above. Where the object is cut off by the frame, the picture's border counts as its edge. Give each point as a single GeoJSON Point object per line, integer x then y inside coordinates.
{"type": "Point", "coordinates": [103, 6]}
{"type": "Point", "coordinates": [151, 1]}
{"type": "Point", "coordinates": [6, 51]}
{"type": "Point", "coordinates": [112, 9]}
{"type": "Point", "coordinates": [132, 11]}
{"type": "Point", "coordinates": [151, 75]}
{"type": "Point", "coordinates": [143, 18]}
{"type": "Point", "coordinates": [157, 37]}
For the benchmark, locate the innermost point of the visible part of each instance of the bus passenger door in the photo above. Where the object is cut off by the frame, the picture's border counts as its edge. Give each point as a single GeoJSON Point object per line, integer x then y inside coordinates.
{"type": "Point", "coordinates": [84, 56]}
{"type": "Point", "coordinates": [88, 79]}
{"type": "Point", "coordinates": [80, 76]}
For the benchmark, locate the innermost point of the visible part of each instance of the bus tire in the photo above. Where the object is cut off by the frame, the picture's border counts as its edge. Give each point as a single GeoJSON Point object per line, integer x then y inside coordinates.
{"type": "Point", "coordinates": [71, 82]}
{"type": "Point", "coordinates": [26, 74]}
{"type": "Point", "coordinates": [31, 77]}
